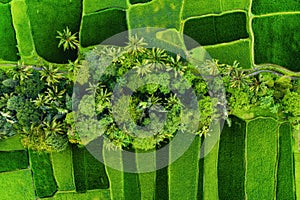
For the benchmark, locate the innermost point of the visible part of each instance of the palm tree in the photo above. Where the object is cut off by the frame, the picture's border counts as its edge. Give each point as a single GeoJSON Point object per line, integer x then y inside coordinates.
{"type": "Point", "coordinates": [239, 79]}
{"type": "Point", "coordinates": [67, 39]}
{"type": "Point", "coordinates": [176, 65]}
{"type": "Point", "coordinates": [41, 101]}
{"type": "Point", "coordinates": [135, 45]}
{"type": "Point", "coordinates": [157, 58]}
{"type": "Point", "coordinates": [54, 95]}
{"type": "Point", "coordinates": [142, 68]}
{"type": "Point", "coordinates": [53, 127]}
{"type": "Point", "coordinates": [21, 72]}
{"type": "Point", "coordinates": [51, 74]}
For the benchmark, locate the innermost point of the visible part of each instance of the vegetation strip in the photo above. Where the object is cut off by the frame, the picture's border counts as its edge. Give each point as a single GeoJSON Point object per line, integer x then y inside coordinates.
{"type": "Point", "coordinates": [79, 169]}
{"type": "Point", "coordinates": [95, 173]}
{"type": "Point", "coordinates": [231, 161]}
{"type": "Point", "coordinates": [44, 180]}
{"type": "Point", "coordinates": [210, 179]}
{"type": "Point", "coordinates": [285, 172]}
{"type": "Point", "coordinates": [63, 169]}
{"type": "Point", "coordinates": [115, 177]}
{"type": "Point", "coordinates": [183, 173]}
{"type": "Point", "coordinates": [261, 158]}
{"type": "Point", "coordinates": [147, 181]}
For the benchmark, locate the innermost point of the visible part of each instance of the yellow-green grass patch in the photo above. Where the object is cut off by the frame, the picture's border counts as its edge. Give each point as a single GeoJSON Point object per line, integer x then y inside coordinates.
{"type": "Point", "coordinates": [17, 185]}
{"type": "Point", "coordinates": [261, 158]}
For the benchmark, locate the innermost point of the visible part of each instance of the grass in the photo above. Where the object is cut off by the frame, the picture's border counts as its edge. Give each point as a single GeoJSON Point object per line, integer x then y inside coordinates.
{"type": "Point", "coordinates": [210, 179]}
{"type": "Point", "coordinates": [131, 180]}
{"type": "Point", "coordinates": [5, 1]}
{"type": "Point", "coordinates": [162, 190]}
{"type": "Point", "coordinates": [102, 25]}
{"type": "Point", "coordinates": [46, 18]}
{"type": "Point", "coordinates": [183, 173]}
{"type": "Point", "coordinates": [13, 160]}
{"type": "Point", "coordinates": [163, 13]}
{"type": "Point", "coordinates": [217, 29]}
{"type": "Point", "coordinates": [147, 180]}
{"type": "Point", "coordinates": [90, 195]}
{"type": "Point", "coordinates": [201, 7]}
{"type": "Point", "coordinates": [285, 173]}
{"type": "Point", "coordinates": [139, 1]}
{"type": "Point", "coordinates": [297, 174]}
{"type": "Point", "coordinates": [229, 52]}
{"type": "Point", "coordinates": [201, 174]}
{"type": "Point", "coordinates": [89, 173]}
{"type": "Point", "coordinates": [269, 6]}
{"type": "Point", "coordinates": [79, 169]}
{"type": "Point", "coordinates": [63, 169]}
{"type": "Point", "coordinates": [269, 45]}
{"type": "Point", "coordinates": [42, 172]}
{"type": "Point", "coordinates": [131, 186]}
{"type": "Point", "coordinates": [235, 5]}
{"type": "Point", "coordinates": [95, 173]}
{"type": "Point", "coordinates": [261, 158]}
{"type": "Point", "coordinates": [90, 6]}
{"type": "Point", "coordinates": [231, 161]}
{"type": "Point", "coordinates": [23, 30]}
{"type": "Point", "coordinates": [115, 177]}
{"type": "Point", "coordinates": [11, 143]}
{"type": "Point", "coordinates": [16, 185]}
{"type": "Point", "coordinates": [8, 50]}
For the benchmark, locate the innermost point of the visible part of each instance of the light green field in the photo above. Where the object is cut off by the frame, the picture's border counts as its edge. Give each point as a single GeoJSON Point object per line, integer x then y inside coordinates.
{"type": "Point", "coordinates": [151, 14]}
{"type": "Point", "coordinates": [23, 30]}
{"type": "Point", "coordinates": [17, 185]}
{"type": "Point", "coordinates": [90, 6]}
{"type": "Point", "coordinates": [261, 158]}
{"type": "Point", "coordinates": [12, 143]}
{"type": "Point", "coordinates": [63, 169]}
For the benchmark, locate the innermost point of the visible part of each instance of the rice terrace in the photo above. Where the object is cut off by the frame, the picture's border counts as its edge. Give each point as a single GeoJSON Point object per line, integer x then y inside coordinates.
{"type": "Point", "coordinates": [149, 99]}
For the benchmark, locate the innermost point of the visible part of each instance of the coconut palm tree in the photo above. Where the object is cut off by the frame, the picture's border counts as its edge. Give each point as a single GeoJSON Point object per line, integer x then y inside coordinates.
{"type": "Point", "coordinates": [157, 58]}
{"type": "Point", "coordinates": [135, 45]}
{"type": "Point", "coordinates": [53, 127]}
{"type": "Point", "coordinates": [54, 94]}
{"type": "Point", "coordinates": [67, 39]}
{"type": "Point", "coordinates": [21, 72]}
{"type": "Point", "coordinates": [51, 74]}
{"type": "Point", "coordinates": [142, 68]}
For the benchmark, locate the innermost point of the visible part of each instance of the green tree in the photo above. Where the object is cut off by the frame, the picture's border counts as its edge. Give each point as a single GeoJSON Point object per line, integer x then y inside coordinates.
{"type": "Point", "coordinates": [67, 39]}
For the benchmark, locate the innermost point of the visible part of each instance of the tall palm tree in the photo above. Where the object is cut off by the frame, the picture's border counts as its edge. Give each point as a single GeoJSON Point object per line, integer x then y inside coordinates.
{"type": "Point", "coordinates": [53, 127]}
{"type": "Point", "coordinates": [135, 45]}
{"type": "Point", "coordinates": [21, 72]}
{"type": "Point", "coordinates": [51, 74]}
{"type": "Point", "coordinates": [67, 39]}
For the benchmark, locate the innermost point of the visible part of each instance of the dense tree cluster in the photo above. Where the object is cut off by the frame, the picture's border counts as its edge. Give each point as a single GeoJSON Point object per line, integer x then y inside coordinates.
{"type": "Point", "coordinates": [36, 102]}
